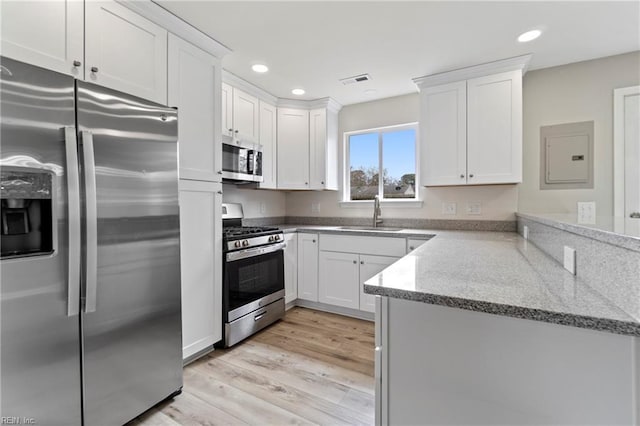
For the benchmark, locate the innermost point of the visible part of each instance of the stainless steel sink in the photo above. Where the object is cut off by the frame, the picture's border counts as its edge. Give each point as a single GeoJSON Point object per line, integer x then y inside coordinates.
{"type": "Point", "coordinates": [370, 228]}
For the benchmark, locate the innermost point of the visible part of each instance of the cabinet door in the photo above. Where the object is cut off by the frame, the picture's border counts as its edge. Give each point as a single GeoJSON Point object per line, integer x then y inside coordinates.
{"type": "Point", "coordinates": [49, 34]}
{"type": "Point", "coordinates": [194, 77]}
{"type": "Point", "coordinates": [370, 266]}
{"type": "Point", "coordinates": [494, 141]}
{"type": "Point", "coordinates": [291, 268]}
{"type": "Point", "coordinates": [317, 148]}
{"type": "Point", "coordinates": [268, 142]}
{"type": "Point", "coordinates": [124, 51]}
{"type": "Point", "coordinates": [245, 116]}
{"type": "Point", "coordinates": [293, 148]}
{"type": "Point", "coordinates": [443, 132]}
{"type": "Point", "coordinates": [201, 264]}
{"type": "Point", "coordinates": [338, 282]}
{"type": "Point", "coordinates": [414, 244]}
{"type": "Point", "coordinates": [227, 110]}
{"type": "Point", "coordinates": [308, 267]}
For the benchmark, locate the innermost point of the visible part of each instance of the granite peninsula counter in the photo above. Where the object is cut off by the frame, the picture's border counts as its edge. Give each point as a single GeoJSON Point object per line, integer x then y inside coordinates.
{"type": "Point", "coordinates": [485, 328]}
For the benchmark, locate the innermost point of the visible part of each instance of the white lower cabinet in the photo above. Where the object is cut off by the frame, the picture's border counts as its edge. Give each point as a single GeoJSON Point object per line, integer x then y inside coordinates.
{"type": "Point", "coordinates": [338, 280]}
{"type": "Point", "coordinates": [308, 267]}
{"type": "Point", "coordinates": [370, 266]}
{"type": "Point", "coordinates": [201, 264]}
{"type": "Point", "coordinates": [291, 267]}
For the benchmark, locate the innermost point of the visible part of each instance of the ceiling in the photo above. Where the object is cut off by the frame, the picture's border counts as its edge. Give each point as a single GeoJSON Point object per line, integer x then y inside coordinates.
{"type": "Point", "coordinates": [313, 44]}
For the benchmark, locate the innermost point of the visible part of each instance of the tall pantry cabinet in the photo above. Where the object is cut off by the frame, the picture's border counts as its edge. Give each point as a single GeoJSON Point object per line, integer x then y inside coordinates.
{"type": "Point", "coordinates": [194, 87]}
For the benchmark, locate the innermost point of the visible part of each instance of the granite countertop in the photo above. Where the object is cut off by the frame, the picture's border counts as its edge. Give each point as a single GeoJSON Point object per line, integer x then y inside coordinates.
{"type": "Point", "coordinates": [499, 273]}
{"type": "Point", "coordinates": [619, 231]}
{"type": "Point", "coordinates": [354, 230]}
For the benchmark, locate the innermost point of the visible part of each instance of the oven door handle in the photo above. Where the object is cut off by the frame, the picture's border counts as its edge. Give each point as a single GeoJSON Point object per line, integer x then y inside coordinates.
{"type": "Point", "coordinates": [252, 252]}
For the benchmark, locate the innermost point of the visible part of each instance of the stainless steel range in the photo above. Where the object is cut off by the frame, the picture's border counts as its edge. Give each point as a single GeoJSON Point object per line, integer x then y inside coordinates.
{"type": "Point", "coordinates": [253, 268]}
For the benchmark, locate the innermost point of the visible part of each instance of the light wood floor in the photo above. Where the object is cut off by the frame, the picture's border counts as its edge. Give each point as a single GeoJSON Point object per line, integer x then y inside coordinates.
{"type": "Point", "coordinates": [310, 368]}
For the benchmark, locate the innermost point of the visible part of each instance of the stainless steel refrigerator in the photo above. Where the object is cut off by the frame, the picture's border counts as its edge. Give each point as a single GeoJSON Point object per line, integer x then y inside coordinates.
{"type": "Point", "coordinates": [90, 269]}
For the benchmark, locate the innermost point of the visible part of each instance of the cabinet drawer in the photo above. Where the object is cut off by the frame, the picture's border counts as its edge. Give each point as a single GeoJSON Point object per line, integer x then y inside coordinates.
{"type": "Point", "coordinates": [380, 246]}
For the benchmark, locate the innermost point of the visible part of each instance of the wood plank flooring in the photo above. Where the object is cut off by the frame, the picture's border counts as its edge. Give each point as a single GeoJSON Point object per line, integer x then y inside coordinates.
{"type": "Point", "coordinates": [310, 368]}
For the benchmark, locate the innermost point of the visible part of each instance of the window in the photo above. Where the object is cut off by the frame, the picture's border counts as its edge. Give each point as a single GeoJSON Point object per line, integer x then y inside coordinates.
{"type": "Point", "coordinates": [389, 152]}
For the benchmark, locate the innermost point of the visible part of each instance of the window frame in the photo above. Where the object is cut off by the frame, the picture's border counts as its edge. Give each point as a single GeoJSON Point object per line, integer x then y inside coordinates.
{"type": "Point", "coordinates": [346, 200]}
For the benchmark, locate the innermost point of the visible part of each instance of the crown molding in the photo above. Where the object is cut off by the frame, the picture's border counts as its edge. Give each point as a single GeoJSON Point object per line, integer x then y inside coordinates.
{"type": "Point", "coordinates": [511, 64]}
{"type": "Point", "coordinates": [245, 86]}
{"type": "Point", "coordinates": [329, 103]}
{"type": "Point", "coordinates": [167, 20]}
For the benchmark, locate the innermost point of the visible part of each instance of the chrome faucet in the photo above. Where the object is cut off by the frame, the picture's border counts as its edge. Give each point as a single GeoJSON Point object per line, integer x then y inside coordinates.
{"type": "Point", "coordinates": [377, 213]}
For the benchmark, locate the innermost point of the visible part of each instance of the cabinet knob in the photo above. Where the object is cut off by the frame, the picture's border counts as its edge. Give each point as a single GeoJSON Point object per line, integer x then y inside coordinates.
{"type": "Point", "coordinates": [322, 183]}
{"type": "Point", "coordinates": [219, 172]}
{"type": "Point", "coordinates": [77, 63]}
{"type": "Point", "coordinates": [306, 183]}
{"type": "Point", "coordinates": [231, 130]}
{"type": "Point", "coordinates": [461, 176]}
{"type": "Point", "coordinates": [354, 262]}
{"type": "Point", "coordinates": [470, 176]}
{"type": "Point", "coordinates": [362, 262]}
{"type": "Point", "coordinates": [313, 241]}
{"type": "Point", "coordinates": [411, 247]}
{"type": "Point", "coordinates": [236, 131]}
{"type": "Point", "coordinates": [94, 69]}
{"type": "Point", "coordinates": [220, 192]}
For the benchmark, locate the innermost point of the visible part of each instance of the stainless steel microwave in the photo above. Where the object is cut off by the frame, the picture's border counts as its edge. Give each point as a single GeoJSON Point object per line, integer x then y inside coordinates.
{"type": "Point", "coordinates": [241, 161]}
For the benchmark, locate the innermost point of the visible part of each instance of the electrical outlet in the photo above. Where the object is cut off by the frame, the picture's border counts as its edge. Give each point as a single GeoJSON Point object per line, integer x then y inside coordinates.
{"type": "Point", "coordinates": [449, 208]}
{"type": "Point", "coordinates": [474, 207]}
{"type": "Point", "coordinates": [525, 232]}
{"type": "Point", "coordinates": [263, 208]}
{"type": "Point", "coordinates": [570, 259]}
{"type": "Point", "coordinates": [587, 212]}
{"type": "Point", "coordinates": [315, 207]}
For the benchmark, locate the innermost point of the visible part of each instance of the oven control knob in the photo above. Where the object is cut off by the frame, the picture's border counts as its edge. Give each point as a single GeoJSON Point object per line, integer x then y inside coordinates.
{"type": "Point", "coordinates": [277, 237]}
{"type": "Point", "coordinates": [271, 239]}
{"type": "Point", "coordinates": [245, 243]}
{"type": "Point", "coordinates": [237, 244]}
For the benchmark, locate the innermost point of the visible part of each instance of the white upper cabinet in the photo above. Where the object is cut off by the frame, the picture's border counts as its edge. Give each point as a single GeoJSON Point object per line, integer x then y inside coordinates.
{"type": "Point", "coordinates": [268, 120]}
{"type": "Point", "coordinates": [323, 148]}
{"type": "Point", "coordinates": [494, 128]}
{"type": "Point", "coordinates": [471, 124]}
{"type": "Point", "coordinates": [245, 116]}
{"type": "Point", "coordinates": [49, 34]}
{"type": "Point", "coordinates": [443, 127]}
{"type": "Point", "coordinates": [194, 81]}
{"type": "Point", "coordinates": [293, 148]}
{"type": "Point", "coordinates": [240, 115]}
{"type": "Point", "coordinates": [125, 51]}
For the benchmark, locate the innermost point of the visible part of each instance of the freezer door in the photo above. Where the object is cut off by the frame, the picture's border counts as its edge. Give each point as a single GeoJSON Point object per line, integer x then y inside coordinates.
{"type": "Point", "coordinates": [131, 317]}
{"type": "Point", "coordinates": [39, 291]}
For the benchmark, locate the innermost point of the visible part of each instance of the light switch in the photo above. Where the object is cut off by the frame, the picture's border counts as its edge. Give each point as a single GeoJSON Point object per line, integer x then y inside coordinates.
{"type": "Point", "coordinates": [587, 212]}
{"type": "Point", "coordinates": [570, 259]}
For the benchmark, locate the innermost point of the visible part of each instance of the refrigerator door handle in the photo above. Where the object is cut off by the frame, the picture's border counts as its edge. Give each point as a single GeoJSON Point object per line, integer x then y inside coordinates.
{"type": "Point", "coordinates": [91, 267]}
{"type": "Point", "coordinates": [73, 204]}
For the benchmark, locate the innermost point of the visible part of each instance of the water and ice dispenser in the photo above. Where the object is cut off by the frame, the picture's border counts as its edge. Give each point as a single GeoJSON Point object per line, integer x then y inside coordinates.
{"type": "Point", "coordinates": [27, 212]}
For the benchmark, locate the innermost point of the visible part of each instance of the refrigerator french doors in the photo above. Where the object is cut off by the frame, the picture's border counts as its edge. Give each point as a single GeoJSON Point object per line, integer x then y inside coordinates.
{"type": "Point", "coordinates": [90, 324]}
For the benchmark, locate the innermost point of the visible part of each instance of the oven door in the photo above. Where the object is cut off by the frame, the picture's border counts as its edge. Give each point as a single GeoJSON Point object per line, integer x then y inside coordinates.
{"type": "Point", "coordinates": [253, 278]}
{"type": "Point", "coordinates": [241, 162]}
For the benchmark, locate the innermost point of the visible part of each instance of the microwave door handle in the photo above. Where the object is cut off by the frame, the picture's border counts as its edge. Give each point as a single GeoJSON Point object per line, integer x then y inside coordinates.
{"type": "Point", "coordinates": [250, 161]}
{"type": "Point", "coordinates": [73, 205]}
{"type": "Point", "coordinates": [91, 279]}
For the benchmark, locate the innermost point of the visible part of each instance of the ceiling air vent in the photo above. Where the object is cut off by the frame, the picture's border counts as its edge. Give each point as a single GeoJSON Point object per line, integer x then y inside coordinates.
{"type": "Point", "coordinates": [355, 79]}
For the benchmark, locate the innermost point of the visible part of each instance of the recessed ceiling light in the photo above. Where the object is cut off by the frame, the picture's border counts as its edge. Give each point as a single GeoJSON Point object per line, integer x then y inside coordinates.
{"type": "Point", "coordinates": [370, 92]}
{"type": "Point", "coordinates": [529, 35]}
{"type": "Point", "coordinates": [260, 68]}
{"type": "Point", "coordinates": [298, 92]}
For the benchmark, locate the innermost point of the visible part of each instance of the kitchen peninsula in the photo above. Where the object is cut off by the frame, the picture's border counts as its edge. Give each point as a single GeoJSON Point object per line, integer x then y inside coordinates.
{"type": "Point", "coordinates": [479, 327]}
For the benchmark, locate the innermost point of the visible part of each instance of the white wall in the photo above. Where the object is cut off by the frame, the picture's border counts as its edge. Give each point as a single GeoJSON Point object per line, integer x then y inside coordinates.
{"type": "Point", "coordinates": [252, 201]}
{"type": "Point", "coordinates": [499, 202]}
{"type": "Point", "coordinates": [582, 91]}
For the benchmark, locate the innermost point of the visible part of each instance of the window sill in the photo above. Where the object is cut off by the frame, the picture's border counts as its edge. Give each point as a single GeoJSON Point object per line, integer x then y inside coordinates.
{"type": "Point", "coordinates": [368, 204]}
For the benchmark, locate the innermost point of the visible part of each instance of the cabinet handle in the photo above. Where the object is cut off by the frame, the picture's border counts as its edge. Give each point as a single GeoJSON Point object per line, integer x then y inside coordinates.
{"type": "Point", "coordinates": [236, 131]}
{"type": "Point", "coordinates": [313, 241]}
{"type": "Point", "coordinates": [461, 176]}
{"type": "Point", "coordinates": [220, 192]}
{"type": "Point", "coordinates": [322, 183]}
{"type": "Point", "coordinates": [231, 130]}
{"type": "Point", "coordinates": [354, 262]}
{"type": "Point", "coordinates": [362, 262]}
{"type": "Point", "coordinates": [94, 69]}
{"type": "Point", "coordinates": [306, 183]}
{"type": "Point", "coordinates": [470, 176]}
{"type": "Point", "coordinates": [77, 63]}
{"type": "Point", "coordinates": [411, 247]}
